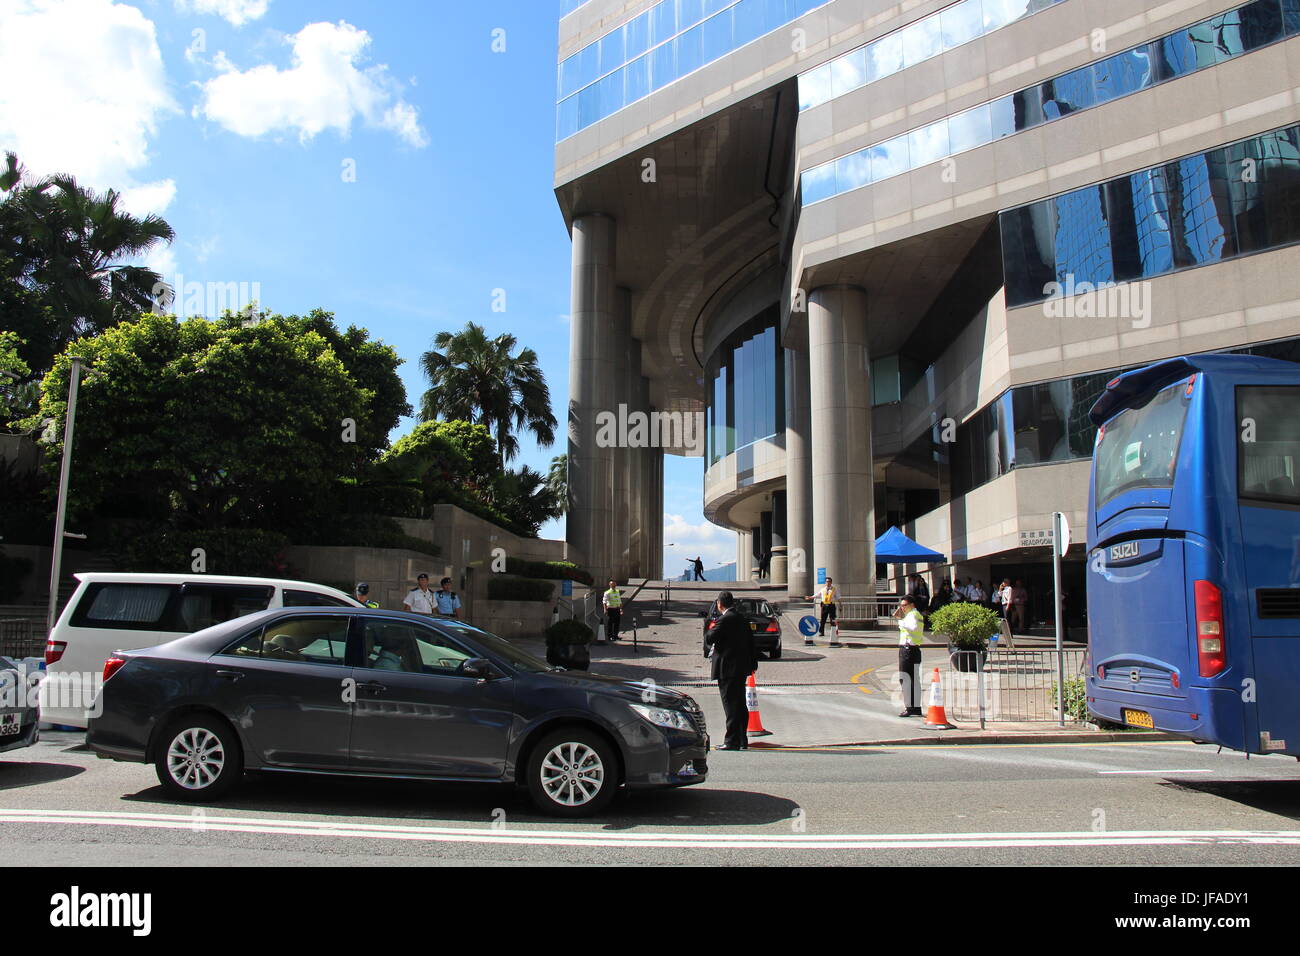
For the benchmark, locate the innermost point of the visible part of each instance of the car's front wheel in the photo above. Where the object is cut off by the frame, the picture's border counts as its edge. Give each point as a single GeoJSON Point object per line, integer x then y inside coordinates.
{"type": "Point", "coordinates": [199, 758]}
{"type": "Point", "coordinates": [572, 772]}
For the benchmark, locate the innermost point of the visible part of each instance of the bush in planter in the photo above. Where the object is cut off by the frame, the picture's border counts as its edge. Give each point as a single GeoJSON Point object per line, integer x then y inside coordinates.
{"type": "Point", "coordinates": [568, 632]}
{"type": "Point", "coordinates": [967, 627]}
{"type": "Point", "coordinates": [504, 588]}
{"type": "Point", "coordinates": [567, 645]}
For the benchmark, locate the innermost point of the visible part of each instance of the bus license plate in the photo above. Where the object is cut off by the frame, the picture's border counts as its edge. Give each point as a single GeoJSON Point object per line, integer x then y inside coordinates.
{"type": "Point", "coordinates": [9, 724]}
{"type": "Point", "coordinates": [1139, 718]}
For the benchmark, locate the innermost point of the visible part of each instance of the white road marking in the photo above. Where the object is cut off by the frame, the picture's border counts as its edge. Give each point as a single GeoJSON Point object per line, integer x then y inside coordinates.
{"type": "Point", "coordinates": [544, 837]}
{"type": "Point", "coordinates": [1155, 771]}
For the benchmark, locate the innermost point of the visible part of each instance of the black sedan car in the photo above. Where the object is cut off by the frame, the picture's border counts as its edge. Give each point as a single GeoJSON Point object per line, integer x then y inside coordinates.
{"type": "Point", "coordinates": [763, 621]}
{"type": "Point", "coordinates": [389, 694]}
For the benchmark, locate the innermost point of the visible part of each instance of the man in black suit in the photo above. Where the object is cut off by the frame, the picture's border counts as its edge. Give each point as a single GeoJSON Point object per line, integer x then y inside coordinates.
{"type": "Point", "coordinates": [731, 642]}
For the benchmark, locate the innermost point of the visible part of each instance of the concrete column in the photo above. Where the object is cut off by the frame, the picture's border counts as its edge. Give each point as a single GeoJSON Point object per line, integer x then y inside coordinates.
{"type": "Point", "coordinates": [765, 543]}
{"type": "Point", "coordinates": [645, 512]}
{"type": "Point", "coordinates": [840, 410]}
{"type": "Point", "coordinates": [798, 474]}
{"type": "Point", "coordinates": [656, 504]}
{"type": "Point", "coordinates": [755, 551]}
{"type": "Point", "coordinates": [636, 562]}
{"type": "Point", "coordinates": [593, 305]}
{"type": "Point", "coordinates": [743, 548]}
{"type": "Point", "coordinates": [620, 525]}
{"type": "Point", "coordinates": [780, 566]}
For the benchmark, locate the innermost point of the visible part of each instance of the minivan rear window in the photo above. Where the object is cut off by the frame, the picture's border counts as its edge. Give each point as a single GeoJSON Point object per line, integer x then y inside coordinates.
{"type": "Point", "coordinates": [296, 598]}
{"type": "Point", "coordinates": [1139, 446]}
{"type": "Point", "coordinates": [203, 605]}
{"type": "Point", "coordinates": [139, 606]}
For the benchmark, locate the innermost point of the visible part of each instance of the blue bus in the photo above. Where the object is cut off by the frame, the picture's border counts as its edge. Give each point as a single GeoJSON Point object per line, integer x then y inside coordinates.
{"type": "Point", "coordinates": [1194, 552]}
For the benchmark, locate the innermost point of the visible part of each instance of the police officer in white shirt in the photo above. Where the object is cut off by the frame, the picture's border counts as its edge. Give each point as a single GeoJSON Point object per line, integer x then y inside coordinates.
{"type": "Point", "coordinates": [420, 598]}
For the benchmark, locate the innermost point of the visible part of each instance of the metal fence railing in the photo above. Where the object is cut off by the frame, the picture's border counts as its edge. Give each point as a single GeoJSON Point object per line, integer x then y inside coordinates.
{"type": "Point", "coordinates": [22, 637]}
{"type": "Point", "coordinates": [1011, 684]}
{"type": "Point", "coordinates": [878, 610]}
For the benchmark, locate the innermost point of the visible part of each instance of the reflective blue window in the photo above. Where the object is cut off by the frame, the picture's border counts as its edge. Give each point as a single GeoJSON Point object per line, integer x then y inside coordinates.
{"type": "Point", "coordinates": [663, 22]}
{"type": "Point", "coordinates": [1002, 117]}
{"type": "Point", "coordinates": [611, 51]}
{"type": "Point", "coordinates": [998, 13]}
{"type": "Point", "coordinates": [746, 374]}
{"type": "Point", "coordinates": [1068, 93]}
{"type": "Point", "coordinates": [848, 72]}
{"type": "Point", "coordinates": [716, 36]}
{"type": "Point", "coordinates": [588, 106]}
{"type": "Point", "coordinates": [663, 65]}
{"type": "Point", "coordinates": [921, 41]}
{"type": "Point", "coordinates": [637, 83]}
{"type": "Point", "coordinates": [689, 12]}
{"type": "Point", "coordinates": [884, 57]}
{"type": "Point", "coordinates": [1235, 200]}
{"type": "Point", "coordinates": [1028, 108]}
{"type": "Point", "coordinates": [961, 23]}
{"type": "Point", "coordinates": [852, 171]}
{"type": "Point", "coordinates": [749, 22]}
{"type": "Point", "coordinates": [1083, 238]}
{"type": "Point", "coordinates": [929, 144]}
{"type": "Point", "coordinates": [1291, 16]}
{"type": "Point", "coordinates": [690, 51]}
{"type": "Point", "coordinates": [818, 184]}
{"type": "Point", "coordinates": [1123, 73]}
{"type": "Point", "coordinates": [970, 129]}
{"type": "Point", "coordinates": [815, 86]}
{"type": "Point", "coordinates": [1198, 233]}
{"type": "Point", "coordinates": [890, 158]}
{"type": "Point", "coordinates": [568, 121]}
{"type": "Point", "coordinates": [638, 36]}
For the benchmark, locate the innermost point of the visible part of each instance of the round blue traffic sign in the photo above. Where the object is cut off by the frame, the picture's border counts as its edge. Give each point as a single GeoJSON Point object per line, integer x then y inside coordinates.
{"type": "Point", "coordinates": [807, 625]}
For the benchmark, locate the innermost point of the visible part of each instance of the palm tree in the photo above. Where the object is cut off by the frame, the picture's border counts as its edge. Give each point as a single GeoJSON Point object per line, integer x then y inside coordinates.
{"type": "Point", "coordinates": [73, 245]}
{"type": "Point", "coordinates": [476, 379]}
{"type": "Point", "coordinates": [557, 480]}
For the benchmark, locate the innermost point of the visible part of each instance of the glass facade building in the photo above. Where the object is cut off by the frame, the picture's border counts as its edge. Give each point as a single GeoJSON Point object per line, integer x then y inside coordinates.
{"type": "Point", "coordinates": [745, 378]}
{"type": "Point", "coordinates": [915, 43]}
{"type": "Point", "coordinates": [663, 44]}
{"type": "Point", "coordinates": [1236, 200]}
{"type": "Point", "coordinates": [1204, 44]}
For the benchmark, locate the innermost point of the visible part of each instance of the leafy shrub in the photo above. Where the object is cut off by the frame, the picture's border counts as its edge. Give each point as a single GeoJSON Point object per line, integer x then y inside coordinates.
{"type": "Point", "coordinates": [568, 632]}
{"type": "Point", "coordinates": [1075, 698]}
{"type": "Point", "coordinates": [503, 588]}
{"type": "Point", "coordinates": [561, 570]}
{"type": "Point", "coordinates": [247, 551]}
{"type": "Point", "coordinates": [12, 572]}
{"type": "Point", "coordinates": [366, 531]}
{"type": "Point", "coordinates": [968, 626]}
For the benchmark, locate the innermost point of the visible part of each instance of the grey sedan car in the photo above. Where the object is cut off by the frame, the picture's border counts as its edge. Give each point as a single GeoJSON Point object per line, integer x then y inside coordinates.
{"type": "Point", "coordinates": [19, 709]}
{"type": "Point", "coordinates": [389, 694]}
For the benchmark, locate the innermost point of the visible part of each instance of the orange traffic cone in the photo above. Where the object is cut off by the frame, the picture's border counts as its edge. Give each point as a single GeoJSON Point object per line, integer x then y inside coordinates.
{"type": "Point", "coordinates": [756, 728]}
{"type": "Point", "coordinates": [935, 716]}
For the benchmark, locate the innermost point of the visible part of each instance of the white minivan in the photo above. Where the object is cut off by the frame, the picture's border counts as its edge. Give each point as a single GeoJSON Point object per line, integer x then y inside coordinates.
{"type": "Point", "coordinates": [112, 611]}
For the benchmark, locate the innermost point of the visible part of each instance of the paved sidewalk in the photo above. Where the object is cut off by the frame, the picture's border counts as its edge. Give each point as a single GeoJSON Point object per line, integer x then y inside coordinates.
{"type": "Point", "coordinates": [813, 696]}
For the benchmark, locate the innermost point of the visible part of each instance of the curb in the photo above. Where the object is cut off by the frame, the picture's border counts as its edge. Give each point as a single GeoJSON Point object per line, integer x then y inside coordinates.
{"type": "Point", "coordinates": [984, 737]}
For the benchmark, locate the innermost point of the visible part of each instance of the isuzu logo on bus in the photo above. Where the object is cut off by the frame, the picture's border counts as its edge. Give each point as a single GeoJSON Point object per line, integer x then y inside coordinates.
{"type": "Point", "coordinates": [1129, 549]}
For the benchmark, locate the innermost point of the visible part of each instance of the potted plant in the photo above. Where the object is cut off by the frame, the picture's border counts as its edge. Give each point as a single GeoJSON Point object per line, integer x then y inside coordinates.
{"type": "Point", "coordinates": [567, 645]}
{"type": "Point", "coordinates": [968, 628]}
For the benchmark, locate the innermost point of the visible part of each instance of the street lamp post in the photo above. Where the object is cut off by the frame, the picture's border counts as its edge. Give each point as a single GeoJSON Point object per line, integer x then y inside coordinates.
{"type": "Point", "coordinates": [61, 514]}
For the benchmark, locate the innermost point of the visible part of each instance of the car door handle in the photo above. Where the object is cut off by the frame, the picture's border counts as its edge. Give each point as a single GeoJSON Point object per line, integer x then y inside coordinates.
{"type": "Point", "coordinates": [374, 686]}
{"type": "Point", "coordinates": [230, 675]}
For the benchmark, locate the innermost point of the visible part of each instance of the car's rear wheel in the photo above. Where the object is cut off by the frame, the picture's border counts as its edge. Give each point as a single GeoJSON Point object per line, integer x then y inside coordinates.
{"type": "Point", "coordinates": [572, 772]}
{"type": "Point", "coordinates": [775, 653]}
{"type": "Point", "coordinates": [199, 758]}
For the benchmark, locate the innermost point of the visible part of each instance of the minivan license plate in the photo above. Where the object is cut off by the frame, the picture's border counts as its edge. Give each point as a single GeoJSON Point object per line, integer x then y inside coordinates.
{"type": "Point", "coordinates": [1139, 718]}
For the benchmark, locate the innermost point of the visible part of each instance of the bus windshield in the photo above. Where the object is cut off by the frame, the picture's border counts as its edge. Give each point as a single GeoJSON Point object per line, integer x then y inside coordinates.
{"type": "Point", "coordinates": [1139, 447]}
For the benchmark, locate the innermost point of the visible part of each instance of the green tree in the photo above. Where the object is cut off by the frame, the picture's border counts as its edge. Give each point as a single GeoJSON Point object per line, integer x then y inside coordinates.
{"type": "Point", "coordinates": [205, 424]}
{"type": "Point", "coordinates": [15, 394]}
{"type": "Point", "coordinates": [72, 251]}
{"type": "Point", "coordinates": [526, 498]}
{"type": "Point", "coordinates": [557, 480]}
{"type": "Point", "coordinates": [477, 379]}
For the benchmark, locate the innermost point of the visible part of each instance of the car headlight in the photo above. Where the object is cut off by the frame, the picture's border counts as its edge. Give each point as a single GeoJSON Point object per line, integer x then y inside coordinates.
{"type": "Point", "coordinates": [672, 719]}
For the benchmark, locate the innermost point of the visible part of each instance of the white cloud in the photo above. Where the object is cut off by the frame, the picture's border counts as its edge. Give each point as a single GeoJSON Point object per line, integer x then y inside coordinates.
{"type": "Point", "coordinates": [714, 545]}
{"type": "Point", "coordinates": [236, 12]}
{"type": "Point", "coordinates": [325, 88]}
{"type": "Point", "coordinates": [82, 91]}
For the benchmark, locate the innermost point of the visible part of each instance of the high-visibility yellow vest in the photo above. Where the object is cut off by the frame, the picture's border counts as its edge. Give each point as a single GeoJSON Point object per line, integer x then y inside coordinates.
{"type": "Point", "coordinates": [911, 634]}
{"type": "Point", "coordinates": [613, 598]}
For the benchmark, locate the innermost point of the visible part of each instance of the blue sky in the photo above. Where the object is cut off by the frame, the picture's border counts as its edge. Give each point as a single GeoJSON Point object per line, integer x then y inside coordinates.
{"type": "Point", "coordinates": [379, 160]}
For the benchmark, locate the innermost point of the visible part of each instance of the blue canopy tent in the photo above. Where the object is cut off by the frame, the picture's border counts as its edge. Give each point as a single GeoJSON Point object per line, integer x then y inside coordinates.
{"type": "Point", "coordinates": [894, 547]}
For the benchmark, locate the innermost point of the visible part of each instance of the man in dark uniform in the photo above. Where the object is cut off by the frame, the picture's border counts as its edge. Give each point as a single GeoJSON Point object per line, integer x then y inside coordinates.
{"type": "Point", "coordinates": [731, 644]}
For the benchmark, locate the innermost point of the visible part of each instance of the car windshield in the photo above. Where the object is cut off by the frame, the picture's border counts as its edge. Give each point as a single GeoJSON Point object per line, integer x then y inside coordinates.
{"type": "Point", "coordinates": [519, 659]}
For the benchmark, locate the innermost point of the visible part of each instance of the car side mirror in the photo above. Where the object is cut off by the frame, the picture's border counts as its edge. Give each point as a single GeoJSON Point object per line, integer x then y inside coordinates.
{"type": "Point", "coordinates": [478, 667]}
